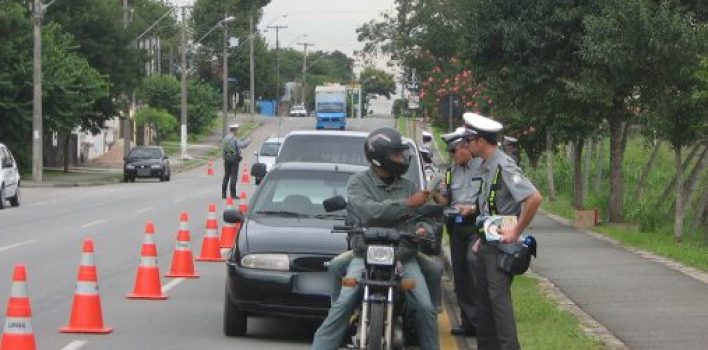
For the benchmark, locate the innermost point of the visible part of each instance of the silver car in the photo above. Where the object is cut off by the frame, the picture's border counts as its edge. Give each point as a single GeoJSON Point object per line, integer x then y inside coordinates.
{"type": "Point", "coordinates": [267, 154]}
{"type": "Point", "coordinates": [9, 178]}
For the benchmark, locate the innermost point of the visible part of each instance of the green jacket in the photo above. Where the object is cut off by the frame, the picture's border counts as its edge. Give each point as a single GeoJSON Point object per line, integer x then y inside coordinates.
{"type": "Point", "coordinates": [373, 203]}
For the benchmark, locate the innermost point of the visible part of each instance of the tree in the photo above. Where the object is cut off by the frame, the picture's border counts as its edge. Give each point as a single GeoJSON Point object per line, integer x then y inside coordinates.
{"type": "Point", "coordinates": [159, 120]}
{"type": "Point", "coordinates": [203, 103]}
{"type": "Point", "coordinates": [161, 92]}
{"type": "Point", "coordinates": [375, 81]}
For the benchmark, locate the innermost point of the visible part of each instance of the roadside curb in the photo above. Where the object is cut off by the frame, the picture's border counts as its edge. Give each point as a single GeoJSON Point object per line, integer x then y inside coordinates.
{"type": "Point", "coordinates": [667, 262]}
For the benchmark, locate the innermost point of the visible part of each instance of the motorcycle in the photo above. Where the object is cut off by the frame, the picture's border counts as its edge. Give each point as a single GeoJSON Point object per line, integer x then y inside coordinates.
{"type": "Point", "coordinates": [379, 322]}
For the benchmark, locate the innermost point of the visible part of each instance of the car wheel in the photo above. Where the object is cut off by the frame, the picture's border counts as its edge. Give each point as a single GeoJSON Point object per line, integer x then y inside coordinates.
{"type": "Point", "coordinates": [126, 178]}
{"type": "Point", "coordinates": [131, 179]}
{"type": "Point", "coordinates": [235, 320]}
{"type": "Point", "coordinates": [2, 197]}
{"type": "Point", "coordinates": [15, 201]}
{"type": "Point", "coordinates": [163, 178]}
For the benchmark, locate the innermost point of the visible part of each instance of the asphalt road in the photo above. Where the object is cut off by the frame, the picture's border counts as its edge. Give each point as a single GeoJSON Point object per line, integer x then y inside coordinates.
{"type": "Point", "coordinates": [46, 232]}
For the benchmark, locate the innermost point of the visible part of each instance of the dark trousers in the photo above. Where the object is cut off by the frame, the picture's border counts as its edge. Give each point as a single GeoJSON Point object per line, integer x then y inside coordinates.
{"type": "Point", "coordinates": [230, 177]}
{"type": "Point", "coordinates": [462, 236]}
{"type": "Point", "coordinates": [496, 327]}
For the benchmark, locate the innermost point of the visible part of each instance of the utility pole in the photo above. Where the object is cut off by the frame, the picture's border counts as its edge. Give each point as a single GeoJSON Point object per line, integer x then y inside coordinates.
{"type": "Point", "coordinates": [304, 70]}
{"type": "Point", "coordinates": [126, 120]}
{"type": "Point", "coordinates": [183, 72]}
{"type": "Point", "coordinates": [252, 97]}
{"type": "Point", "coordinates": [277, 60]}
{"type": "Point", "coordinates": [225, 83]}
{"type": "Point", "coordinates": [37, 132]}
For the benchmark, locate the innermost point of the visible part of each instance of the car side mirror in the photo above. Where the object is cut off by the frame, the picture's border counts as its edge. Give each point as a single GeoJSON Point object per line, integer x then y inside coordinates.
{"type": "Point", "coordinates": [165, 157]}
{"type": "Point", "coordinates": [334, 203]}
{"type": "Point", "coordinates": [258, 170]}
{"type": "Point", "coordinates": [233, 216]}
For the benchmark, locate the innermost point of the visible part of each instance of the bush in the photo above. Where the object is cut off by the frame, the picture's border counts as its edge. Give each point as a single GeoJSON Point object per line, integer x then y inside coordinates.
{"type": "Point", "coordinates": [162, 122]}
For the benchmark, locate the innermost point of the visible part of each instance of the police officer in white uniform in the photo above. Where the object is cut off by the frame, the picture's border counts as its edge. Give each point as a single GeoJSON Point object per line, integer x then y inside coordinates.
{"type": "Point", "coordinates": [505, 191]}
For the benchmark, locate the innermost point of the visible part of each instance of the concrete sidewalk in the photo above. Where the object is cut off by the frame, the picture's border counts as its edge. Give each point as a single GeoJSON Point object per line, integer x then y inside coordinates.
{"type": "Point", "coordinates": [96, 174]}
{"type": "Point", "coordinates": [644, 303]}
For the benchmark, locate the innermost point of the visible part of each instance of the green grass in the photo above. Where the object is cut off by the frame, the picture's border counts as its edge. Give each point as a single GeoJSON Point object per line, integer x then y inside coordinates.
{"type": "Point", "coordinates": [648, 228]}
{"type": "Point", "coordinates": [541, 324]}
{"type": "Point", "coordinates": [691, 251]}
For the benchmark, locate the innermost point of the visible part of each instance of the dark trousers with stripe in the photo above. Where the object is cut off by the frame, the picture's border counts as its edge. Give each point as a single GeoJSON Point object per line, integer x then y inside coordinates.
{"type": "Point", "coordinates": [496, 326]}
{"type": "Point", "coordinates": [462, 237]}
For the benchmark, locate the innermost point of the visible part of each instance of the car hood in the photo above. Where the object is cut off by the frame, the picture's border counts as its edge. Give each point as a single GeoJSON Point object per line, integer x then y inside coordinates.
{"type": "Point", "coordinates": [286, 235]}
{"type": "Point", "coordinates": [144, 161]}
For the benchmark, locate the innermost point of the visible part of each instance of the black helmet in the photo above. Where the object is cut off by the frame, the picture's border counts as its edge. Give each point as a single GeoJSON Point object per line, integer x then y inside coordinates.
{"type": "Point", "coordinates": [378, 148]}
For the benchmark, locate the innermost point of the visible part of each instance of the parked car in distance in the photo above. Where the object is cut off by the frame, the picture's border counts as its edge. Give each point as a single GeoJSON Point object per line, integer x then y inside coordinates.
{"type": "Point", "coordinates": [9, 178]}
{"type": "Point", "coordinates": [278, 265]}
{"type": "Point", "coordinates": [267, 154]}
{"type": "Point", "coordinates": [298, 111]}
{"type": "Point", "coordinates": [146, 162]}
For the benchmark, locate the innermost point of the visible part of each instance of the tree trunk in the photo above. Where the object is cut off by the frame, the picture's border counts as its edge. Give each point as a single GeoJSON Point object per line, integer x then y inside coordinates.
{"type": "Point", "coordinates": [700, 213]}
{"type": "Point", "coordinates": [67, 140]}
{"type": "Point", "coordinates": [578, 174]}
{"type": "Point", "coordinates": [600, 162]}
{"type": "Point", "coordinates": [587, 161]}
{"type": "Point", "coordinates": [678, 218]}
{"type": "Point", "coordinates": [645, 172]}
{"type": "Point", "coordinates": [670, 186]}
{"type": "Point", "coordinates": [549, 167]}
{"type": "Point", "coordinates": [616, 205]}
{"type": "Point", "coordinates": [692, 180]}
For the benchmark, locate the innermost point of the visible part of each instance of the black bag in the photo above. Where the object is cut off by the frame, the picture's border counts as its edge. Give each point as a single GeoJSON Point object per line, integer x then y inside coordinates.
{"type": "Point", "coordinates": [515, 258]}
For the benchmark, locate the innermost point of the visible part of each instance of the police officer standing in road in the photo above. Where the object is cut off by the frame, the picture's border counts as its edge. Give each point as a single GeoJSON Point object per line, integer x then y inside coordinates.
{"type": "Point", "coordinates": [232, 147]}
{"type": "Point", "coordinates": [463, 180]}
{"type": "Point", "coordinates": [505, 191]}
{"type": "Point", "coordinates": [511, 147]}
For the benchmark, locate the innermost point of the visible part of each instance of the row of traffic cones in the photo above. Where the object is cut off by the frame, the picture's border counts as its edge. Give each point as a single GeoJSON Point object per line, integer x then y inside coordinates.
{"type": "Point", "coordinates": [245, 176]}
{"type": "Point", "coordinates": [86, 315]}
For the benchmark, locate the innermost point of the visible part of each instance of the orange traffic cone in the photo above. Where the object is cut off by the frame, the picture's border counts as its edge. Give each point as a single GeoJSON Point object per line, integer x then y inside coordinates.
{"type": "Point", "coordinates": [182, 260]}
{"type": "Point", "coordinates": [147, 281]}
{"type": "Point", "coordinates": [210, 168]}
{"type": "Point", "coordinates": [245, 176]}
{"type": "Point", "coordinates": [86, 316]}
{"type": "Point", "coordinates": [228, 230]}
{"type": "Point", "coordinates": [18, 333]}
{"type": "Point", "coordinates": [210, 244]}
{"type": "Point", "coordinates": [243, 207]}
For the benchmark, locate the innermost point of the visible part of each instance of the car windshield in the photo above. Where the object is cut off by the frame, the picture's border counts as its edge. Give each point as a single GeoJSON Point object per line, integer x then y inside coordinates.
{"type": "Point", "coordinates": [335, 149]}
{"type": "Point", "coordinates": [269, 149]}
{"type": "Point", "coordinates": [298, 108]}
{"type": "Point", "coordinates": [330, 107]}
{"type": "Point", "coordinates": [300, 194]}
{"type": "Point", "coordinates": [146, 153]}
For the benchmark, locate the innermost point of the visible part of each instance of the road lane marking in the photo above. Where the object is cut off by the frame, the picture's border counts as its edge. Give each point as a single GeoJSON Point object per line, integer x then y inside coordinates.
{"type": "Point", "coordinates": [179, 199]}
{"type": "Point", "coordinates": [172, 284]}
{"type": "Point", "coordinates": [18, 244]}
{"type": "Point", "coordinates": [144, 210]}
{"type": "Point", "coordinates": [75, 345]}
{"type": "Point", "coordinates": [92, 223]}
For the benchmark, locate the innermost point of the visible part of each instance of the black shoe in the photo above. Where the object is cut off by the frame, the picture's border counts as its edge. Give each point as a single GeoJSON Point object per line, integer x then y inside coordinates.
{"type": "Point", "coordinates": [463, 332]}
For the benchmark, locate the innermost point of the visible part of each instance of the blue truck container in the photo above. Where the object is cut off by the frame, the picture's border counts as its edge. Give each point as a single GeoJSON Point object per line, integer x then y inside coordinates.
{"type": "Point", "coordinates": [331, 106]}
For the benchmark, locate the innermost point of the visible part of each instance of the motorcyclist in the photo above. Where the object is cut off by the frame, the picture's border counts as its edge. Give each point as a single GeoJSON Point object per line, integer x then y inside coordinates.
{"type": "Point", "coordinates": [381, 197]}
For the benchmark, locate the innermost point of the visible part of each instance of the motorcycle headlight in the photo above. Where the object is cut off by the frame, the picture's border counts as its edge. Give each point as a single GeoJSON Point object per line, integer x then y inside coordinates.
{"type": "Point", "coordinates": [379, 255]}
{"type": "Point", "coordinates": [279, 262]}
{"type": "Point", "coordinates": [130, 166]}
{"type": "Point", "coordinates": [156, 166]}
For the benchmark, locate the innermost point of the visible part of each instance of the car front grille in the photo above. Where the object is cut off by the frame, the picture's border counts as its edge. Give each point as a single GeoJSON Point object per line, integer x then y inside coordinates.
{"type": "Point", "coordinates": [294, 300]}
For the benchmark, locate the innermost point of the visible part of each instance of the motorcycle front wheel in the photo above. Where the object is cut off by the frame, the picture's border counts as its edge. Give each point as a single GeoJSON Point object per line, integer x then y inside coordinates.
{"type": "Point", "coordinates": [376, 327]}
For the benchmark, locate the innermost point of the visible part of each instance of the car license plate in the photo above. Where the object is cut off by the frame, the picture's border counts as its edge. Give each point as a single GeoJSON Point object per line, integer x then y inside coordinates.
{"type": "Point", "coordinates": [144, 172]}
{"type": "Point", "coordinates": [314, 283]}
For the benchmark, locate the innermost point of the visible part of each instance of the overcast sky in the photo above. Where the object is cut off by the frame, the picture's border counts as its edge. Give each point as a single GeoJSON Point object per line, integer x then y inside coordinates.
{"type": "Point", "coordinates": [329, 24]}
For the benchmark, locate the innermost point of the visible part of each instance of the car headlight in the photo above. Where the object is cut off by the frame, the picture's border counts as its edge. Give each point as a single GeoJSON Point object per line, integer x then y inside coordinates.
{"type": "Point", "coordinates": [379, 255]}
{"type": "Point", "coordinates": [156, 166]}
{"type": "Point", "coordinates": [279, 262]}
{"type": "Point", "coordinates": [130, 166]}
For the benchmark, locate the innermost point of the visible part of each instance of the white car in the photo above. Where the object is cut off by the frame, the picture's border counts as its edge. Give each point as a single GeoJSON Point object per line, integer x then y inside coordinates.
{"type": "Point", "coordinates": [9, 178]}
{"type": "Point", "coordinates": [298, 111]}
{"type": "Point", "coordinates": [267, 154]}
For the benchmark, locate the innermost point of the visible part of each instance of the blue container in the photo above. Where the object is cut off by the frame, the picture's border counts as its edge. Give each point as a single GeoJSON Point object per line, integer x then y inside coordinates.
{"type": "Point", "coordinates": [266, 107]}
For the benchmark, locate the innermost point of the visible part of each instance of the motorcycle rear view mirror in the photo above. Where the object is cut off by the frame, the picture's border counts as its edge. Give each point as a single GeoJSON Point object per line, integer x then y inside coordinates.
{"type": "Point", "coordinates": [334, 203]}
{"type": "Point", "coordinates": [233, 216]}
